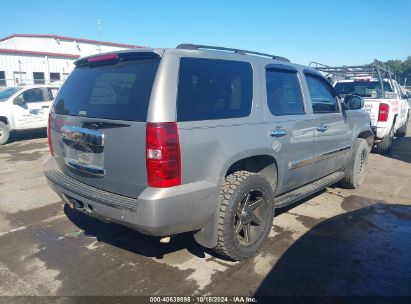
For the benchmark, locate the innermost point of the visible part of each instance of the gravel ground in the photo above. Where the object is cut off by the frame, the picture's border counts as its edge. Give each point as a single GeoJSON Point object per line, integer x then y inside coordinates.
{"type": "Point", "coordinates": [337, 242]}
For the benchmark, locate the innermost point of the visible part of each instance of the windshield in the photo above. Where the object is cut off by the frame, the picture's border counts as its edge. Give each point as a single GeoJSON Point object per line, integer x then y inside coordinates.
{"type": "Point", "coordinates": [362, 88]}
{"type": "Point", "coordinates": [7, 92]}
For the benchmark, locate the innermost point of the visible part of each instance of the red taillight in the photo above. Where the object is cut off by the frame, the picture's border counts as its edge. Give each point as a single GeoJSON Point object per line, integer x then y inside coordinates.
{"type": "Point", "coordinates": [103, 58]}
{"type": "Point", "coordinates": [49, 135]}
{"type": "Point", "coordinates": [383, 112]}
{"type": "Point", "coordinates": [163, 155]}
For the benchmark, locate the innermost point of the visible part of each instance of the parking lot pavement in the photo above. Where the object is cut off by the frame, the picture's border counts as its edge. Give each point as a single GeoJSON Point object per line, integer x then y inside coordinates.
{"type": "Point", "coordinates": [337, 242]}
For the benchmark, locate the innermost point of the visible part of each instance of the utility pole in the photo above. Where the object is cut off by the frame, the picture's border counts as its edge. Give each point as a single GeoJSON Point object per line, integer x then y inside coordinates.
{"type": "Point", "coordinates": [99, 33]}
{"type": "Point", "coordinates": [20, 71]}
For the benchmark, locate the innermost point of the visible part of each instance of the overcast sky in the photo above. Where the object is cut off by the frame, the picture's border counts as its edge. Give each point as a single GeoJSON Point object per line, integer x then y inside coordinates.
{"type": "Point", "coordinates": [331, 32]}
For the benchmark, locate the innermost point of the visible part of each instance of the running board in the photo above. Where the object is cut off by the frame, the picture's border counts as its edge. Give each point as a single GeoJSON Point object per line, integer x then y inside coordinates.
{"type": "Point", "coordinates": [299, 193]}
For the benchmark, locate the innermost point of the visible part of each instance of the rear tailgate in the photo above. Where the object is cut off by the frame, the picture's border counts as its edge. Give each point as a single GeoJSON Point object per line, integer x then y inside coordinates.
{"type": "Point", "coordinates": [372, 108]}
{"type": "Point", "coordinates": [98, 127]}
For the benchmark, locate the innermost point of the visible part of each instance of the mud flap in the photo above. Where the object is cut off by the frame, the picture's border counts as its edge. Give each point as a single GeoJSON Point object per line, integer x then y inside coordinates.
{"type": "Point", "coordinates": [208, 236]}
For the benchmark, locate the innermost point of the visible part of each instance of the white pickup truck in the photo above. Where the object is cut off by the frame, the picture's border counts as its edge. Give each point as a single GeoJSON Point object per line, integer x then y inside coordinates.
{"type": "Point", "coordinates": [24, 108]}
{"type": "Point", "coordinates": [388, 108]}
{"type": "Point", "coordinates": [383, 99]}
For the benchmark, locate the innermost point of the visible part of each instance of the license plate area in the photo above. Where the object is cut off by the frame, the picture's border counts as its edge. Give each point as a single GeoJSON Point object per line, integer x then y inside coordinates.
{"type": "Point", "coordinates": [85, 159]}
{"type": "Point", "coordinates": [84, 150]}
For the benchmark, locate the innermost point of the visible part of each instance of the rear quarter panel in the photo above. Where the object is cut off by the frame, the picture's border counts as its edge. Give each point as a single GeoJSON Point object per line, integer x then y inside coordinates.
{"type": "Point", "coordinates": [358, 121]}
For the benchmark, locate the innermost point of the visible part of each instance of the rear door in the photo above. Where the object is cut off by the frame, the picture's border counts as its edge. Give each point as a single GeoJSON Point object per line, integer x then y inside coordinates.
{"type": "Point", "coordinates": [332, 133]}
{"type": "Point", "coordinates": [290, 129]}
{"type": "Point", "coordinates": [99, 122]}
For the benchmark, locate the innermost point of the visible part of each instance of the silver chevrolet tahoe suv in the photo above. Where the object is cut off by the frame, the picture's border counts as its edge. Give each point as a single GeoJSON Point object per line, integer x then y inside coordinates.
{"type": "Point", "coordinates": [203, 139]}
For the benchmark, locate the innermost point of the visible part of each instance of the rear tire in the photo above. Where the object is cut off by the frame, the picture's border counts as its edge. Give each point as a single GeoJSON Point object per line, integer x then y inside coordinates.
{"type": "Point", "coordinates": [4, 133]}
{"type": "Point", "coordinates": [401, 132]}
{"type": "Point", "coordinates": [385, 146]}
{"type": "Point", "coordinates": [357, 166]}
{"type": "Point", "coordinates": [246, 215]}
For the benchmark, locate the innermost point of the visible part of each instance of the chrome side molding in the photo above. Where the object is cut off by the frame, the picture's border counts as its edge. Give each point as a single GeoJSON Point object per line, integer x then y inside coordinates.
{"type": "Point", "coordinates": [332, 154]}
{"type": "Point", "coordinates": [316, 158]}
{"type": "Point", "coordinates": [83, 135]}
{"type": "Point", "coordinates": [300, 163]}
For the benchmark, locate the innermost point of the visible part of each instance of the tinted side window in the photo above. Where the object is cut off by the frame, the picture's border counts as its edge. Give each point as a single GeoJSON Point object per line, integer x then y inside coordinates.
{"type": "Point", "coordinates": [214, 89]}
{"type": "Point", "coordinates": [34, 95]}
{"type": "Point", "coordinates": [284, 93]}
{"type": "Point", "coordinates": [322, 96]}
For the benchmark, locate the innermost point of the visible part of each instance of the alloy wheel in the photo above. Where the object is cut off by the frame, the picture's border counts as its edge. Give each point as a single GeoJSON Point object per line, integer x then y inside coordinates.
{"type": "Point", "coordinates": [250, 219]}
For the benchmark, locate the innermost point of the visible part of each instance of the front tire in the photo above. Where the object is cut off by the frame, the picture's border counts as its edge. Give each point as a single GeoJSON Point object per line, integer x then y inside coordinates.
{"type": "Point", "coordinates": [357, 166]}
{"type": "Point", "coordinates": [246, 215]}
{"type": "Point", "coordinates": [4, 133]}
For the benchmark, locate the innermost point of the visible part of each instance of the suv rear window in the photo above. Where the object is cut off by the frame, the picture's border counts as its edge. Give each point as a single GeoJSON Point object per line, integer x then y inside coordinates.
{"type": "Point", "coordinates": [214, 89]}
{"type": "Point", "coordinates": [121, 91]}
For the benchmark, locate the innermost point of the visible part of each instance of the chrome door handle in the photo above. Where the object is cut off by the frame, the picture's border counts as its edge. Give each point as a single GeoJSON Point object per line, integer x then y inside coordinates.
{"type": "Point", "coordinates": [278, 132]}
{"type": "Point", "coordinates": [322, 127]}
{"type": "Point", "coordinates": [45, 107]}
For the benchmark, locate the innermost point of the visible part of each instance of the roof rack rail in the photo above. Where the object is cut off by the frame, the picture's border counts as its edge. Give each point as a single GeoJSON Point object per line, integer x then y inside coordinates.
{"type": "Point", "coordinates": [188, 46]}
{"type": "Point", "coordinates": [376, 69]}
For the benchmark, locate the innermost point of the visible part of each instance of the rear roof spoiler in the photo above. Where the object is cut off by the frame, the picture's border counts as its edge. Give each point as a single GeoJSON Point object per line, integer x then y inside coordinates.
{"type": "Point", "coordinates": [114, 57]}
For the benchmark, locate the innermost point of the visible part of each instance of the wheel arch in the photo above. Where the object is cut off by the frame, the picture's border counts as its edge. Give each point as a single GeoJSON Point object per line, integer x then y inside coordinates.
{"type": "Point", "coordinates": [264, 164]}
{"type": "Point", "coordinates": [261, 163]}
{"type": "Point", "coordinates": [368, 136]}
{"type": "Point", "coordinates": [394, 121]}
{"type": "Point", "coordinates": [5, 120]}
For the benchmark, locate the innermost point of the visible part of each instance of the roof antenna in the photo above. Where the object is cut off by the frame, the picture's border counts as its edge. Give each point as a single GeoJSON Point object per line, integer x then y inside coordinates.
{"type": "Point", "coordinates": [99, 34]}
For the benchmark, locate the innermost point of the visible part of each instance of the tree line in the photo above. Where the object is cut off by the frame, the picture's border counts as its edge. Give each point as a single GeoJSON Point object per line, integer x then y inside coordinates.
{"type": "Point", "coordinates": [402, 69]}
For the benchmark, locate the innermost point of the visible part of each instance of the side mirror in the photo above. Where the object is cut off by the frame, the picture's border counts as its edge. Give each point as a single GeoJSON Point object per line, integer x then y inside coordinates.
{"type": "Point", "coordinates": [354, 102]}
{"type": "Point", "coordinates": [18, 100]}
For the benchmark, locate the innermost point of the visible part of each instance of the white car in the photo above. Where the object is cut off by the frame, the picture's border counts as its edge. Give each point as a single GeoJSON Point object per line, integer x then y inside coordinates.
{"type": "Point", "coordinates": [25, 108]}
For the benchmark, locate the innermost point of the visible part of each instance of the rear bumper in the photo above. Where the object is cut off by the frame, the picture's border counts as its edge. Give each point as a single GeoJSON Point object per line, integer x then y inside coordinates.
{"type": "Point", "coordinates": [380, 133]}
{"type": "Point", "coordinates": [156, 212]}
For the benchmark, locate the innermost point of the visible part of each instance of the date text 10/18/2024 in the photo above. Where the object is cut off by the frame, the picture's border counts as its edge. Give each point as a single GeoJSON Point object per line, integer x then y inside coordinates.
{"type": "Point", "coordinates": [203, 299]}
